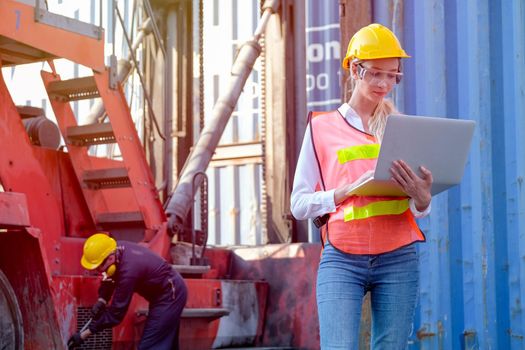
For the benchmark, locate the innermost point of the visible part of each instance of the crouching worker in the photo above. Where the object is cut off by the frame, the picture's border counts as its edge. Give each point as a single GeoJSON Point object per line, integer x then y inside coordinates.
{"type": "Point", "coordinates": [127, 268]}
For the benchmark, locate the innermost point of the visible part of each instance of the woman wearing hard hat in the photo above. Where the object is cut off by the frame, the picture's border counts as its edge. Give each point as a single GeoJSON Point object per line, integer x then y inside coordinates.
{"type": "Point", "coordinates": [368, 241]}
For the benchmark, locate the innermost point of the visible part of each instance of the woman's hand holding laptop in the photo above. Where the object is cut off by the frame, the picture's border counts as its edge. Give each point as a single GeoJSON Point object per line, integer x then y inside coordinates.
{"type": "Point", "coordinates": [342, 192]}
{"type": "Point", "coordinates": [415, 186]}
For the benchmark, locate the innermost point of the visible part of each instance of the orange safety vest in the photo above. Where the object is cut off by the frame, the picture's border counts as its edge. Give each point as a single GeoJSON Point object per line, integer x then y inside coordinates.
{"type": "Point", "coordinates": [361, 224]}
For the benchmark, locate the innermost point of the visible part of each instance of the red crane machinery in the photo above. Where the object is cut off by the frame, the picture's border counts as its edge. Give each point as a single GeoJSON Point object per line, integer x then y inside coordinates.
{"type": "Point", "coordinates": [53, 199]}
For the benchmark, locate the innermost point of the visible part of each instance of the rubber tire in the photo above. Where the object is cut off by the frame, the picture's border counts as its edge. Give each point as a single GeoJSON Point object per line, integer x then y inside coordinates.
{"type": "Point", "coordinates": [11, 325]}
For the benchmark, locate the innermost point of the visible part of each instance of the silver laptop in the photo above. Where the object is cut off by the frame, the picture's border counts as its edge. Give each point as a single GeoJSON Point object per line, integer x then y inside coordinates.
{"type": "Point", "coordinates": [439, 144]}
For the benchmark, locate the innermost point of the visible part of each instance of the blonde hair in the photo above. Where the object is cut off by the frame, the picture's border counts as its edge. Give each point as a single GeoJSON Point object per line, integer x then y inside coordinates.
{"type": "Point", "coordinates": [377, 122]}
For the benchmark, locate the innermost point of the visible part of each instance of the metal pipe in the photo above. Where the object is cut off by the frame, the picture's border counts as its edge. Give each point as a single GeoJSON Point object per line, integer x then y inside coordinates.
{"type": "Point", "coordinates": [200, 156]}
{"type": "Point", "coordinates": [156, 31]}
{"type": "Point", "coordinates": [114, 25]}
{"type": "Point", "coordinates": [300, 104]}
{"type": "Point", "coordinates": [37, 10]}
{"type": "Point", "coordinates": [143, 83]}
{"type": "Point", "coordinates": [124, 70]}
{"type": "Point", "coordinates": [100, 14]}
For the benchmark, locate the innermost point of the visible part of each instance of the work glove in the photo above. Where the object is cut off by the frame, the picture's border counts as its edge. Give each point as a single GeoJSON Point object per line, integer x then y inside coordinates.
{"type": "Point", "coordinates": [98, 309]}
{"type": "Point", "coordinates": [75, 341]}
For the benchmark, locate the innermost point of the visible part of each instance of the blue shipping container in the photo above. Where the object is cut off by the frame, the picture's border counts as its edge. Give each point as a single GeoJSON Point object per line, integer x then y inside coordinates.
{"type": "Point", "coordinates": [468, 62]}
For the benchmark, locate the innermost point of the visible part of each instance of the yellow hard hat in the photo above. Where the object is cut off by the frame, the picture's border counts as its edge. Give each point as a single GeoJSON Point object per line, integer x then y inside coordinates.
{"type": "Point", "coordinates": [96, 250]}
{"type": "Point", "coordinates": [372, 42]}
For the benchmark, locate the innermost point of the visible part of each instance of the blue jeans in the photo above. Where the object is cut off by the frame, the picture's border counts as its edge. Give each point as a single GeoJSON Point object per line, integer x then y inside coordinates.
{"type": "Point", "coordinates": [343, 280]}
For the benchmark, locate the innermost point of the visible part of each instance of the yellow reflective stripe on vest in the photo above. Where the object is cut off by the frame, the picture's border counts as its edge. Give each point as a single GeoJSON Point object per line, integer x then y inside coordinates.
{"type": "Point", "coordinates": [394, 207]}
{"type": "Point", "coordinates": [369, 151]}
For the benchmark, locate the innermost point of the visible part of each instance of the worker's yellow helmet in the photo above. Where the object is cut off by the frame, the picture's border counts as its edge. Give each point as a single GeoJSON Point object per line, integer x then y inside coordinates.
{"type": "Point", "coordinates": [96, 249]}
{"type": "Point", "coordinates": [372, 42]}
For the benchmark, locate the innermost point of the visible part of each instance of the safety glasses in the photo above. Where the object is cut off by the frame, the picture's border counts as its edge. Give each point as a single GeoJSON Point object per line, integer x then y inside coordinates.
{"type": "Point", "coordinates": [375, 76]}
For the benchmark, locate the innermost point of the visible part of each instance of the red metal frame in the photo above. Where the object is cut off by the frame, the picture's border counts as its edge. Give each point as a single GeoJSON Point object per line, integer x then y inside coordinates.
{"type": "Point", "coordinates": [20, 171]}
{"type": "Point", "coordinates": [13, 210]}
{"type": "Point", "coordinates": [64, 114]}
{"type": "Point", "coordinates": [47, 212]}
{"type": "Point", "coordinates": [146, 195]}
{"type": "Point", "coordinates": [132, 153]}
{"type": "Point", "coordinates": [18, 23]}
{"type": "Point", "coordinates": [28, 277]}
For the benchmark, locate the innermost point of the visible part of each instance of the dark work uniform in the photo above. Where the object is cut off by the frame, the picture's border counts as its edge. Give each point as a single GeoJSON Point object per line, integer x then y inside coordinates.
{"type": "Point", "coordinates": [142, 271]}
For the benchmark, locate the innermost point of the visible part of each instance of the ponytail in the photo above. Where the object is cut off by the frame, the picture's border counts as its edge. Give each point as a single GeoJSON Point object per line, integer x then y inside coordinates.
{"type": "Point", "coordinates": [377, 122]}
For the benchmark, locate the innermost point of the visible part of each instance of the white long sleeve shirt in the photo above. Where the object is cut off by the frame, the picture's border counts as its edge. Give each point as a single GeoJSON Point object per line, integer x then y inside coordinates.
{"type": "Point", "coordinates": [306, 202]}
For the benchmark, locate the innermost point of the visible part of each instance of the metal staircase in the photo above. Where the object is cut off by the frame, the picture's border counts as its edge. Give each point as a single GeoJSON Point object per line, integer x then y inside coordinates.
{"type": "Point", "coordinates": [99, 181]}
{"type": "Point", "coordinates": [120, 194]}
{"type": "Point", "coordinates": [116, 192]}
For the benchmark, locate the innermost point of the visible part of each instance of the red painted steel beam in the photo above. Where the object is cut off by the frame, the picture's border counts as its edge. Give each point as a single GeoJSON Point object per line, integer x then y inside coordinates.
{"type": "Point", "coordinates": [13, 210]}
{"type": "Point", "coordinates": [21, 171]}
{"type": "Point", "coordinates": [18, 23]}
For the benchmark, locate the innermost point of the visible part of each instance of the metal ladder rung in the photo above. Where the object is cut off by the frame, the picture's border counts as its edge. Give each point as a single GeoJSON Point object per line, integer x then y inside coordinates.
{"type": "Point", "coordinates": [106, 178]}
{"type": "Point", "coordinates": [68, 24]}
{"type": "Point", "coordinates": [205, 313]}
{"type": "Point", "coordinates": [14, 53]}
{"type": "Point", "coordinates": [91, 134]}
{"type": "Point", "coordinates": [74, 89]}
{"type": "Point", "coordinates": [27, 112]}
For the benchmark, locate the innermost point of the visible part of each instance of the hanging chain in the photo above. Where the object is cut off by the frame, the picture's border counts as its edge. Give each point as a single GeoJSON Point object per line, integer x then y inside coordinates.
{"type": "Point", "coordinates": [204, 186]}
{"type": "Point", "coordinates": [264, 198]}
{"type": "Point", "coordinates": [201, 65]}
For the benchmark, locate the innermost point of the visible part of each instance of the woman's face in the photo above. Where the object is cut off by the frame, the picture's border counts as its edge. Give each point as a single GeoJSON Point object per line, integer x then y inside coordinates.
{"type": "Point", "coordinates": [376, 78]}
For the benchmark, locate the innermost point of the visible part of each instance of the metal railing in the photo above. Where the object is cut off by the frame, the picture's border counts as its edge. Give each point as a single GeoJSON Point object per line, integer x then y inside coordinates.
{"type": "Point", "coordinates": [120, 70]}
{"type": "Point", "coordinates": [45, 16]}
